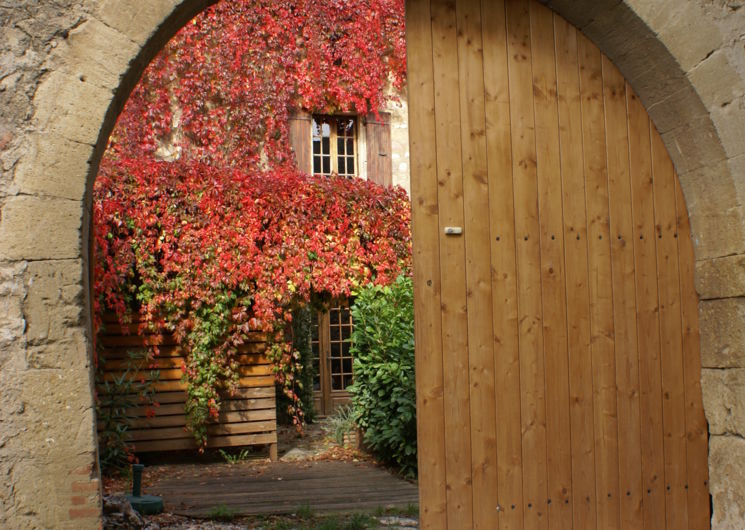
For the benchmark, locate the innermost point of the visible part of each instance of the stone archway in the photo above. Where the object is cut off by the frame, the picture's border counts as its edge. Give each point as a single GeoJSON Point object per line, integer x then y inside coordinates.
{"type": "Point", "coordinates": [71, 65]}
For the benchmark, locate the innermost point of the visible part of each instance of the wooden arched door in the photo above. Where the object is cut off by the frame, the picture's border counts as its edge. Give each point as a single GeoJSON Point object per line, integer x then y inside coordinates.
{"type": "Point", "coordinates": [558, 358]}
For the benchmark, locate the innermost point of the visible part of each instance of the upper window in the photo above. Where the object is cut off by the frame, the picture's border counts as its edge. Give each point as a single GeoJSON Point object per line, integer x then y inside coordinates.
{"type": "Point", "coordinates": [334, 148]}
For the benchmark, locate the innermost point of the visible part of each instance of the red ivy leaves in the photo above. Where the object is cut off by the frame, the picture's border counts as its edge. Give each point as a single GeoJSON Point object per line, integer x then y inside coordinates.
{"type": "Point", "coordinates": [187, 229]}
{"type": "Point", "coordinates": [210, 249]}
{"type": "Point", "coordinates": [230, 237]}
{"type": "Point", "coordinates": [236, 70]}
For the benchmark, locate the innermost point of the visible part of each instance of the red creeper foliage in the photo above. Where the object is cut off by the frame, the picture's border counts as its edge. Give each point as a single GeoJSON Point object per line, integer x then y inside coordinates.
{"type": "Point", "coordinates": [230, 237]}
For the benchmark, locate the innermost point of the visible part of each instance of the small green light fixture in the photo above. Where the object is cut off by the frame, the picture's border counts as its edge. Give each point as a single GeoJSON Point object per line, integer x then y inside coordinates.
{"type": "Point", "coordinates": [145, 504]}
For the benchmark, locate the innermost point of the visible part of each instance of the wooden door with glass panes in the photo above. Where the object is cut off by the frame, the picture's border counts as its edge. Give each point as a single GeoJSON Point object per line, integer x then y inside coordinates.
{"type": "Point", "coordinates": [332, 360]}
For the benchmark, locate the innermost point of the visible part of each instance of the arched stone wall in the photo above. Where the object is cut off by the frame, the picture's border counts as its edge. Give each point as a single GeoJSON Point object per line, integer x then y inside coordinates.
{"type": "Point", "coordinates": [67, 66]}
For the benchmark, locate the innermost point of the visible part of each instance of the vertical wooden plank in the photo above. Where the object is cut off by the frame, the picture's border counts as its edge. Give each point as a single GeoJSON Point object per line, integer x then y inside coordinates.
{"type": "Point", "coordinates": [576, 267]}
{"type": "Point", "coordinates": [624, 298]}
{"type": "Point", "coordinates": [601, 285]}
{"type": "Point", "coordinates": [425, 229]}
{"type": "Point", "coordinates": [645, 260]}
{"type": "Point", "coordinates": [671, 343]}
{"type": "Point", "coordinates": [504, 273]}
{"type": "Point", "coordinates": [478, 266]}
{"type": "Point", "coordinates": [699, 515]}
{"type": "Point", "coordinates": [527, 242]}
{"type": "Point", "coordinates": [552, 267]}
{"type": "Point", "coordinates": [452, 262]}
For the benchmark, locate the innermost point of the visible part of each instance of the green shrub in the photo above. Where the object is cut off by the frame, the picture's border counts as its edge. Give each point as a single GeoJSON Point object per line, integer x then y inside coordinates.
{"type": "Point", "coordinates": [383, 393]}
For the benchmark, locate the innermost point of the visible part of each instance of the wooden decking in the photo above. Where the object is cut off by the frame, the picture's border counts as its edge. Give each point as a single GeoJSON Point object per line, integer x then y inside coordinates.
{"type": "Point", "coordinates": [282, 487]}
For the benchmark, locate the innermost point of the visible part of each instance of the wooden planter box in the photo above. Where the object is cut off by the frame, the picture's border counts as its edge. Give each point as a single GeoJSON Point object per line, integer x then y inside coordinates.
{"type": "Point", "coordinates": [247, 418]}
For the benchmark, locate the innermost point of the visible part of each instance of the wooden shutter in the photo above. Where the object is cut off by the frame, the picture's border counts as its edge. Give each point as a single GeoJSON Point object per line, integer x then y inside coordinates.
{"type": "Point", "coordinates": [378, 139]}
{"type": "Point", "coordinates": [300, 139]}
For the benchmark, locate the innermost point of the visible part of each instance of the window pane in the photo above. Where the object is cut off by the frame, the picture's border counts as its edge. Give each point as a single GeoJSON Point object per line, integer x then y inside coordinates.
{"type": "Point", "coordinates": [334, 332]}
{"type": "Point", "coordinates": [326, 165]}
{"type": "Point", "coordinates": [334, 315]}
{"type": "Point", "coordinates": [340, 146]}
{"type": "Point", "coordinates": [335, 366]}
{"type": "Point", "coordinates": [316, 164]}
{"type": "Point", "coordinates": [326, 130]}
{"type": "Point", "coordinates": [347, 381]}
{"type": "Point", "coordinates": [350, 165]}
{"type": "Point", "coordinates": [336, 349]}
{"type": "Point", "coordinates": [336, 383]}
{"type": "Point", "coordinates": [350, 146]}
{"type": "Point", "coordinates": [316, 146]}
{"type": "Point", "coordinates": [342, 166]}
{"type": "Point", "coordinates": [347, 365]}
{"type": "Point", "coordinates": [326, 146]}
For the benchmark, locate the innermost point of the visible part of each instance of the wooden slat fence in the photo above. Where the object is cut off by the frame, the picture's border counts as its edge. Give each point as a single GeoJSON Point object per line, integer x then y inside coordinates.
{"type": "Point", "coordinates": [558, 360]}
{"type": "Point", "coordinates": [246, 418]}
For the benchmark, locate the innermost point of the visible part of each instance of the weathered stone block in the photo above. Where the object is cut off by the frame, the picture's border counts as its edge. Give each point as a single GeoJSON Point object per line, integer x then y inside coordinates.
{"type": "Point", "coordinates": [723, 403]}
{"type": "Point", "coordinates": [59, 412]}
{"type": "Point", "coordinates": [96, 53]}
{"type": "Point", "coordinates": [54, 166]}
{"type": "Point", "coordinates": [730, 123]}
{"type": "Point", "coordinates": [57, 494]}
{"type": "Point", "coordinates": [53, 306]}
{"type": "Point", "coordinates": [716, 81]}
{"type": "Point", "coordinates": [137, 20]}
{"type": "Point", "coordinates": [48, 443]}
{"type": "Point", "coordinates": [71, 107]}
{"type": "Point", "coordinates": [721, 277]}
{"type": "Point", "coordinates": [12, 323]}
{"type": "Point", "coordinates": [709, 189]}
{"type": "Point", "coordinates": [689, 35]}
{"type": "Point", "coordinates": [655, 14]}
{"type": "Point", "coordinates": [737, 170]}
{"type": "Point", "coordinates": [677, 109]}
{"type": "Point", "coordinates": [694, 145]}
{"type": "Point", "coordinates": [727, 481]}
{"type": "Point", "coordinates": [718, 233]}
{"type": "Point", "coordinates": [722, 324]}
{"type": "Point", "coordinates": [35, 228]}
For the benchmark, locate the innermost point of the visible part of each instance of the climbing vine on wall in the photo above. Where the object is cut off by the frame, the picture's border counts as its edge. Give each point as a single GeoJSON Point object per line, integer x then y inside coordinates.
{"type": "Point", "coordinates": [202, 223]}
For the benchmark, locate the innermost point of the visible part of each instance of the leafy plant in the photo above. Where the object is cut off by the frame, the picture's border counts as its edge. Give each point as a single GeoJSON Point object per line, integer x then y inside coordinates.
{"type": "Point", "coordinates": [341, 423]}
{"type": "Point", "coordinates": [236, 458]}
{"type": "Point", "coordinates": [384, 393]}
{"type": "Point", "coordinates": [360, 521]}
{"type": "Point", "coordinates": [221, 512]}
{"type": "Point", "coordinates": [304, 511]}
{"type": "Point", "coordinates": [115, 399]}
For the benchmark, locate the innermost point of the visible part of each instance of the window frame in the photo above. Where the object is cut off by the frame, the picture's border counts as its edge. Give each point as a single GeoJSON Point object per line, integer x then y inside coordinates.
{"type": "Point", "coordinates": [317, 121]}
